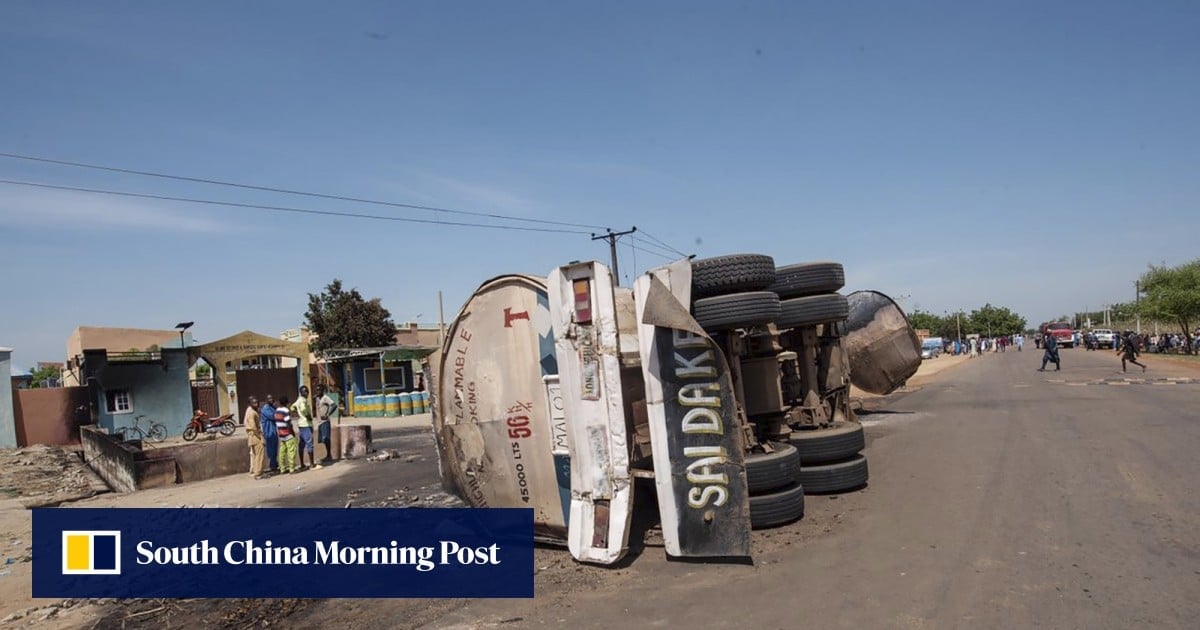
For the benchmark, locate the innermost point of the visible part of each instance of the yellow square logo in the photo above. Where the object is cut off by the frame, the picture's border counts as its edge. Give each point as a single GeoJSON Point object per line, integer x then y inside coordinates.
{"type": "Point", "coordinates": [91, 553]}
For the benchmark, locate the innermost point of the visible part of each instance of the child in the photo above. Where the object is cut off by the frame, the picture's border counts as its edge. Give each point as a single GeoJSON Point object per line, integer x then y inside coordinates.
{"type": "Point", "coordinates": [287, 440]}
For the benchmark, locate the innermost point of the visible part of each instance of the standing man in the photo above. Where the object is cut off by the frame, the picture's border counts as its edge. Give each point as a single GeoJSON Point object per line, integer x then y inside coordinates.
{"type": "Point", "coordinates": [1020, 342]}
{"type": "Point", "coordinates": [254, 439]}
{"type": "Point", "coordinates": [302, 410]}
{"type": "Point", "coordinates": [1128, 350]}
{"type": "Point", "coordinates": [287, 440]}
{"type": "Point", "coordinates": [1050, 342]}
{"type": "Point", "coordinates": [325, 408]}
{"type": "Point", "coordinates": [267, 415]}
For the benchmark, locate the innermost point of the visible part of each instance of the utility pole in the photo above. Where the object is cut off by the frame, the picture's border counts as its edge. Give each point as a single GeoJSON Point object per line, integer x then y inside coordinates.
{"type": "Point", "coordinates": [1137, 299]}
{"type": "Point", "coordinates": [612, 237]}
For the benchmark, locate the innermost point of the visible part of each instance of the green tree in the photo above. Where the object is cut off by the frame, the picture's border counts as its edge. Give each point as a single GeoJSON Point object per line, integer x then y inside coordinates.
{"type": "Point", "coordinates": [995, 321]}
{"type": "Point", "coordinates": [921, 319]}
{"type": "Point", "coordinates": [203, 371]}
{"type": "Point", "coordinates": [343, 319]}
{"type": "Point", "coordinates": [1173, 294]}
{"type": "Point", "coordinates": [44, 376]}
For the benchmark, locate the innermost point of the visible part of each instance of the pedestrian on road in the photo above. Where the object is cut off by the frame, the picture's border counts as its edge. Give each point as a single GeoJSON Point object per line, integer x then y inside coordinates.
{"type": "Point", "coordinates": [1128, 350]}
{"type": "Point", "coordinates": [267, 414]}
{"type": "Point", "coordinates": [254, 439]}
{"type": "Point", "coordinates": [1051, 353]}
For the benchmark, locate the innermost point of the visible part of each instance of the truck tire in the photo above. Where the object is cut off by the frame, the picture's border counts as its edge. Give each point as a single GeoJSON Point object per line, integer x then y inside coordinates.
{"type": "Point", "coordinates": [833, 478]}
{"type": "Point", "coordinates": [739, 310]}
{"type": "Point", "coordinates": [770, 471]}
{"type": "Point", "coordinates": [812, 310]}
{"type": "Point", "coordinates": [805, 279]}
{"type": "Point", "coordinates": [735, 273]}
{"type": "Point", "coordinates": [821, 446]}
{"type": "Point", "coordinates": [777, 508]}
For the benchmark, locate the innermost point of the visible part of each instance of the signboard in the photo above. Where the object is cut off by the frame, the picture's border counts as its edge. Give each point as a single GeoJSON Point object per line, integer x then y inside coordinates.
{"type": "Point", "coordinates": [698, 446]}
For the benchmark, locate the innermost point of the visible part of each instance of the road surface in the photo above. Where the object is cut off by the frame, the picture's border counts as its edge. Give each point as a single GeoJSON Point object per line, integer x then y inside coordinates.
{"type": "Point", "coordinates": [1000, 497]}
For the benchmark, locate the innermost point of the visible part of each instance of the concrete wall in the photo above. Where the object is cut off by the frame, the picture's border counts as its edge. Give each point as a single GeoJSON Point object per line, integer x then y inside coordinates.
{"type": "Point", "coordinates": [8, 423]}
{"type": "Point", "coordinates": [51, 416]}
{"type": "Point", "coordinates": [160, 390]}
{"type": "Point", "coordinates": [127, 468]}
{"type": "Point", "coordinates": [113, 461]}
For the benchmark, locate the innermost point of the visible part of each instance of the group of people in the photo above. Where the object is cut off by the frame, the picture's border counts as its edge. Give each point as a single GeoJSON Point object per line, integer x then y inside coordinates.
{"type": "Point", "coordinates": [279, 434]}
{"type": "Point", "coordinates": [974, 346]}
{"type": "Point", "coordinates": [1128, 345]}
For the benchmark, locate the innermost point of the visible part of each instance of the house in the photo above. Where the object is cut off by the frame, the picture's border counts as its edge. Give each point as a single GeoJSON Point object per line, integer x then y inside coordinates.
{"type": "Point", "coordinates": [138, 387]}
{"type": "Point", "coordinates": [115, 340]}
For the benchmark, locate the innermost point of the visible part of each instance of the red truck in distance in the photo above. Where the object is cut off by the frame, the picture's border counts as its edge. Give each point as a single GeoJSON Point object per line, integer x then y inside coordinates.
{"type": "Point", "coordinates": [1062, 331]}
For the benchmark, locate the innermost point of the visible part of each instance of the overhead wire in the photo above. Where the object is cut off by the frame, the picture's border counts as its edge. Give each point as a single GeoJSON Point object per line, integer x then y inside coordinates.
{"type": "Point", "coordinates": [668, 253]}
{"type": "Point", "coordinates": [663, 244]}
{"type": "Point", "coordinates": [286, 191]}
{"type": "Point", "coordinates": [253, 206]}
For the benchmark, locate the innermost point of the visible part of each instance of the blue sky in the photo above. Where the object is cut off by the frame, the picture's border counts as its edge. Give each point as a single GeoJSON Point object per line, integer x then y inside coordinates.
{"type": "Point", "coordinates": [1032, 155]}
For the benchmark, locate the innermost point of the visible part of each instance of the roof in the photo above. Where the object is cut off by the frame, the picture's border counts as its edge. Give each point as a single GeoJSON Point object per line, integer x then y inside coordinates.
{"type": "Point", "coordinates": [387, 353]}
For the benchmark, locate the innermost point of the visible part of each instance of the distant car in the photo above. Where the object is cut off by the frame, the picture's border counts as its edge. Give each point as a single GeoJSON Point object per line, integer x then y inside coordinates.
{"type": "Point", "coordinates": [931, 349]}
{"type": "Point", "coordinates": [1104, 337]}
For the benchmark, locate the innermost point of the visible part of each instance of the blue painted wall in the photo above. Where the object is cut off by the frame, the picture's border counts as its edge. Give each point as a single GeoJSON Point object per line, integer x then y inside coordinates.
{"type": "Point", "coordinates": [160, 390]}
{"type": "Point", "coordinates": [8, 422]}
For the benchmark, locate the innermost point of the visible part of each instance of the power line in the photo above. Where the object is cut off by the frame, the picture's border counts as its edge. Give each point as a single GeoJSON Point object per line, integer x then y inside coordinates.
{"type": "Point", "coordinates": [285, 191]}
{"type": "Point", "coordinates": [647, 251]}
{"type": "Point", "coordinates": [660, 242]}
{"type": "Point", "coordinates": [253, 206]}
{"type": "Point", "coordinates": [655, 246]}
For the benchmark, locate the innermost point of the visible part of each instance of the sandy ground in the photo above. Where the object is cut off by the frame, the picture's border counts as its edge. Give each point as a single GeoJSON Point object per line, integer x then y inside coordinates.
{"type": "Point", "coordinates": [334, 486]}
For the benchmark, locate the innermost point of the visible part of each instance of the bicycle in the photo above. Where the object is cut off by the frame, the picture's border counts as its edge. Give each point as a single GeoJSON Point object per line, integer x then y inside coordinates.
{"type": "Point", "coordinates": [155, 432]}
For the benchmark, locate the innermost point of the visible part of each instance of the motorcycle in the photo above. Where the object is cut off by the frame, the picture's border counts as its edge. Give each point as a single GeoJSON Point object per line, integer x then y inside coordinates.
{"type": "Point", "coordinates": [201, 423]}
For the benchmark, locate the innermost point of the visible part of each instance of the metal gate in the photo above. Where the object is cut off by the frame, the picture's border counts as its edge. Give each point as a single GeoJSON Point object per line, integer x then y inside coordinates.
{"type": "Point", "coordinates": [279, 382]}
{"type": "Point", "coordinates": [204, 398]}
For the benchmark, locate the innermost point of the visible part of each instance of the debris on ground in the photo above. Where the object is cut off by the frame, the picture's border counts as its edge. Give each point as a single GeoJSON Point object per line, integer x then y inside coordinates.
{"type": "Point", "coordinates": [42, 475]}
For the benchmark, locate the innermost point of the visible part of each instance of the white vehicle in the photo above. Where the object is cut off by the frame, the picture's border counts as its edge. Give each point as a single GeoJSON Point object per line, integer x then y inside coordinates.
{"type": "Point", "coordinates": [1104, 337]}
{"type": "Point", "coordinates": [559, 393]}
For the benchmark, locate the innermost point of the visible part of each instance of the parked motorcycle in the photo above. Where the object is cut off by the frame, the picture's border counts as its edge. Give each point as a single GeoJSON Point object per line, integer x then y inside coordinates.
{"type": "Point", "coordinates": [201, 423]}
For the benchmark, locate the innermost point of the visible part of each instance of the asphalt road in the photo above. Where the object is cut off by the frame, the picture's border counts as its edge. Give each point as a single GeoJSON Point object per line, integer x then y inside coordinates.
{"type": "Point", "coordinates": [1000, 497]}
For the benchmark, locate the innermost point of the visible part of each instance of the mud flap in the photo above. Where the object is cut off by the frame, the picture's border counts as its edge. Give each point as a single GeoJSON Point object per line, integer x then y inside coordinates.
{"type": "Point", "coordinates": [699, 471]}
{"type": "Point", "coordinates": [584, 321]}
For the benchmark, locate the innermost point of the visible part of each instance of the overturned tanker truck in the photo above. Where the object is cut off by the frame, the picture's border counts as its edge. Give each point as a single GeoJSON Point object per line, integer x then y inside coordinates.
{"type": "Point", "coordinates": [723, 382]}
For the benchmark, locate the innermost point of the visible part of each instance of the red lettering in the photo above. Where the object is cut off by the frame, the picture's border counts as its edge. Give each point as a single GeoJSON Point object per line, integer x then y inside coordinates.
{"type": "Point", "coordinates": [509, 316]}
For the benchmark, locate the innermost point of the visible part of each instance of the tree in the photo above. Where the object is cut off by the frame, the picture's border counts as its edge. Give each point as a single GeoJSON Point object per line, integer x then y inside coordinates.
{"type": "Point", "coordinates": [1173, 293]}
{"type": "Point", "coordinates": [343, 319]}
{"type": "Point", "coordinates": [928, 321]}
{"type": "Point", "coordinates": [46, 376]}
{"type": "Point", "coordinates": [995, 321]}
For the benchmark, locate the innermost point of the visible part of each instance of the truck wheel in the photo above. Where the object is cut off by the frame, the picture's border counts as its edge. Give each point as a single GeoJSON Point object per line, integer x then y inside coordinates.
{"type": "Point", "coordinates": [820, 446]}
{"type": "Point", "coordinates": [832, 478]}
{"type": "Point", "coordinates": [777, 508]}
{"type": "Point", "coordinates": [735, 273]}
{"type": "Point", "coordinates": [812, 310]}
{"type": "Point", "coordinates": [805, 279]}
{"type": "Point", "coordinates": [739, 310]}
{"type": "Point", "coordinates": [768, 471]}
